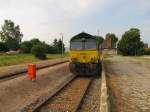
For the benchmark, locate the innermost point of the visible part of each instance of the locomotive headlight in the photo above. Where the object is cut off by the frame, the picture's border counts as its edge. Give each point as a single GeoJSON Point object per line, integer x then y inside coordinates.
{"type": "Point", "coordinates": [73, 59]}
{"type": "Point", "coordinates": [93, 59]}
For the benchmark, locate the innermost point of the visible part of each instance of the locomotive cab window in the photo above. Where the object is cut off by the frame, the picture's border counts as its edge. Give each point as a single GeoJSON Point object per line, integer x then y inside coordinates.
{"type": "Point", "coordinates": [87, 44]}
{"type": "Point", "coordinates": [76, 45]}
{"type": "Point", "coordinates": [90, 44]}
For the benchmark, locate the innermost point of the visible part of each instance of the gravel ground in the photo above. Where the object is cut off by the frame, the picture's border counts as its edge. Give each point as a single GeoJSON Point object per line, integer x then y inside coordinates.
{"type": "Point", "coordinates": [16, 93]}
{"type": "Point", "coordinates": [129, 84]}
{"type": "Point", "coordinates": [91, 102]}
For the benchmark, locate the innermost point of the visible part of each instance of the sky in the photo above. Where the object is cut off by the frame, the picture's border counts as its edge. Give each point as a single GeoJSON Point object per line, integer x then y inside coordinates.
{"type": "Point", "coordinates": [48, 19]}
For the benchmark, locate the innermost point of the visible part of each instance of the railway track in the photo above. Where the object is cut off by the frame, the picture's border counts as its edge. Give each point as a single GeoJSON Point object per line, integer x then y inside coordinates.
{"type": "Point", "coordinates": [67, 99]}
{"type": "Point", "coordinates": [24, 72]}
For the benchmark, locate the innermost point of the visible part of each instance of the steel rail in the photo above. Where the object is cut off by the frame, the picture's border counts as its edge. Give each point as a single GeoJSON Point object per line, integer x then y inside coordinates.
{"type": "Point", "coordinates": [71, 103]}
{"type": "Point", "coordinates": [21, 73]}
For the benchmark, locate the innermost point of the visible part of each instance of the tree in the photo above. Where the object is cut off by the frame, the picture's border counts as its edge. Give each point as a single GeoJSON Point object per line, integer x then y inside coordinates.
{"type": "Point", "coordinates": [60, 45]}
{"type": "Point", "coordinates": [46, 46]}
{"type": "Point", "coordinates": [113, 37]}
{"type": "Point", "coordinates": [100, 39]}
{"type": "Point", "coordinates": [57, 46]}
{"type": "Point", "coordinates": [11, 35]}
{"type": "Point", "coordinates": [26, 47]}
{"type": "Point", "coordinates": [130, 43]}
{"type": "Point", "coordinates": [52, 49]}
{"type": "Point", "coordinates": [39, 51]}
{"type": "Point", "coordinates": [3, 47]}
{"type": "Point", "coordinates": [55, 43]}
{"type": "Point", "coordinates": [35, 41]}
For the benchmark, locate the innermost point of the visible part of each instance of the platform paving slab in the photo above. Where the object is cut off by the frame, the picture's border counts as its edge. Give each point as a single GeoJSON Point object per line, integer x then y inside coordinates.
{"type": "Point", "coordinates": [129, 84]}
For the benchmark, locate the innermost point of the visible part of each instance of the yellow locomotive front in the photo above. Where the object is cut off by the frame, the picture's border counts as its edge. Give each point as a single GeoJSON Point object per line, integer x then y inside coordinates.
{"type": "Point", "coordinates": [85, 58]}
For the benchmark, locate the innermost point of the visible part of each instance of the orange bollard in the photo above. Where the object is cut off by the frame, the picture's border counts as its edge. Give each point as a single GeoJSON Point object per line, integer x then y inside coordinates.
{"type": "Point", "coordinates": [32, 71]}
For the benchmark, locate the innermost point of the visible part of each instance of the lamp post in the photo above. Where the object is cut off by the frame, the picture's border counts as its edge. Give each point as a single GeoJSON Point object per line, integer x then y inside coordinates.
{"type": "Point", "coordinates": [62, 51]}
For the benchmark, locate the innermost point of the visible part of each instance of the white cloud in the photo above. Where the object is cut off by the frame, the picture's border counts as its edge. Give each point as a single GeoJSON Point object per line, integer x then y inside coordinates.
{"type": "Point", "coordinates": [143, 4]}
{"type": "Point", "coordinates": [46, 18]}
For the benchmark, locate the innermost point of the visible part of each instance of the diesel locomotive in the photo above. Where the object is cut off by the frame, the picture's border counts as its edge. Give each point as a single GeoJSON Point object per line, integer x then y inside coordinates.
{"type": "Point", "coordinates": [84, 55]}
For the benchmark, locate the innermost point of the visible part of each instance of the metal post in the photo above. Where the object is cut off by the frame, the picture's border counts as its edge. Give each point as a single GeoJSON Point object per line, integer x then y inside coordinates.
{"type": "Point", "coordinates": [98, 32]}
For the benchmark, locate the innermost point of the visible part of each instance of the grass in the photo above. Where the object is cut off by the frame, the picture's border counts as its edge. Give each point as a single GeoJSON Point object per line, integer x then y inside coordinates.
{"type": "Point", "coordinates": [142, 58]}
{"type": "Point", "coordinates": [107, 55]}
{"type": "Point", "coordinates": [6, 60]}
{"type": "Point", "coordinates": [54, 56]}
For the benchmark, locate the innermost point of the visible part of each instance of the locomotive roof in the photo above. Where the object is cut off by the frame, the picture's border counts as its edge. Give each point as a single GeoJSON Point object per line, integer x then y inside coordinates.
{"type": "Point", "coordinates": [81, 35]}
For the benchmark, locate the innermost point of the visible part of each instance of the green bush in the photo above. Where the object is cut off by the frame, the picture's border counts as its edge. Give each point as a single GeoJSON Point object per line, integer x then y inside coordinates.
{"type": "Point", "coordinates": [26, 47]}
{"type": "Point", "coordinates": [46, 47]}
{"type": "Point", "coordinates": [39, 51]}
{"type": "Point", "coordinates": [3, 47]}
